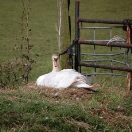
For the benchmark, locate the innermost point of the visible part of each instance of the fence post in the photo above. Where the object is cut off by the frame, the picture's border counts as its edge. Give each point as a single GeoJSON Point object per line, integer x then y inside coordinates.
{"type": "Point", "coordinates": [63, 29]}
{"type": "Point", "coordinates": [129, 41]}
{"type": "Point", "coordinates": [77, 35]}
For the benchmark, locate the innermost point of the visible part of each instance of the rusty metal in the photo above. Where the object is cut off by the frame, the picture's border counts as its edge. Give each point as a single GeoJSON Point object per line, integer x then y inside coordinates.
{"type": "Point", "coordinates": [126, 25]}
{"type": "Point", "coordinates": [126, 21]}
{"type": "Point", "coordinates": [103, 43]}
{"type": "Point", "coordinates": [86, 64]}
{"type": "Point", "coordinates": [128, 34]}
{"type": "Point", "coordinates": [129, 74]}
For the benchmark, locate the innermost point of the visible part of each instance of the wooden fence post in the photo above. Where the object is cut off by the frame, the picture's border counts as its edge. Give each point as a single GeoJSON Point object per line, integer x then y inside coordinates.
{"type": "Point", "coordinates": [63, 29]}
{"type": "Point", "coordinates": [129, 41]}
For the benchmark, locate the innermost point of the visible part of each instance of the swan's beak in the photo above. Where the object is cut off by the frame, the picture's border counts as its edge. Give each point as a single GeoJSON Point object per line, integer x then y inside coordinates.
{"type": "Point", "coordinates": [55, 62]}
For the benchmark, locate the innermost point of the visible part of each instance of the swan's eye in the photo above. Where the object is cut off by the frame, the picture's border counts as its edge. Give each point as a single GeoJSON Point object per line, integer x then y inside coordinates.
{"type": "Point", "coordinates": [55, 59]}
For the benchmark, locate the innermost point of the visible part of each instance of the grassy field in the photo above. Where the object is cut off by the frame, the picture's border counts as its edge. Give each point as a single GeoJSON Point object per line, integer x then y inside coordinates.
{"type": "Point", "coordinates": [33, 109]}
{"type": "Point", "coordinates": [42, 22]}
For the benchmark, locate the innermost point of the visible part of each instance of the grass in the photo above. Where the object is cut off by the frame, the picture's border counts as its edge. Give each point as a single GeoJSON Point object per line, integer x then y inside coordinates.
{"type": "Point", "coordinates": [43, 32]}
{"type": "Point", "coordinates": [35, 109]}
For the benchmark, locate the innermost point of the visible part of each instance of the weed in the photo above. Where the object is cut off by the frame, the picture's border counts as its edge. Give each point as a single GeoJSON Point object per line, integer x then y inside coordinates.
{"type": "Point", "coordinates": [15, 73]}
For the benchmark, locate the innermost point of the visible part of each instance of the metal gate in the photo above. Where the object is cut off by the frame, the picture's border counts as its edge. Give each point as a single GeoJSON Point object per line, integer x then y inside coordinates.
{"type": "Point", "coordinates": [118, 50]}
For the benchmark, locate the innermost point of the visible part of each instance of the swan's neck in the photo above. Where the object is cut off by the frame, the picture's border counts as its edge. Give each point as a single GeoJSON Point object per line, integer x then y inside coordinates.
{"type": "Point", "coordinates": [56, 66]}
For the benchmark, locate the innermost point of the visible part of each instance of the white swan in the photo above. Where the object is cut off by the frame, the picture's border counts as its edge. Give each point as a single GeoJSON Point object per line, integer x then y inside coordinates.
{"type": "Point", "coordinates": [62, 78]}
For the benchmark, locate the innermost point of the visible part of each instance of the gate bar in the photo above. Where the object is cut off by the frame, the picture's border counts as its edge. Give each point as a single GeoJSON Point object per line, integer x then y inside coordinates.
{"type": "Point", "coordinates": [126, 21]}
{"type": "Point", "coordinates": [103, 43]}
{"type": "Point", "coordinates": [86, 64]}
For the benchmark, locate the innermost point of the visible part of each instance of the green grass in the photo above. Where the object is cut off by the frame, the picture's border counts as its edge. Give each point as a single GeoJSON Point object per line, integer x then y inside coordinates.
{"type": "Point", "coordinates": [33, 110]}
{"type": "Point", "coordinates": [42, 21]}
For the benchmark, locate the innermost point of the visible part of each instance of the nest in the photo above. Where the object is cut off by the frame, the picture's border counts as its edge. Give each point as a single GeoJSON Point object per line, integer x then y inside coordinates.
{"type": "Point", "coordinates": [70, 93]}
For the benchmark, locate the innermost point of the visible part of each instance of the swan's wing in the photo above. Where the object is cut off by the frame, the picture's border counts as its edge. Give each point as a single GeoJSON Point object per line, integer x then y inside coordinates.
{"type": "Point", "coordinates": [40, 79]}
{"type": "Point", "coordinates": [49, 80]}
{"type": "Point", "coordinates": [64, 79]}
{"type": "Point", "coordinates": [52, 79]}
{"type": "Point", "coordinates": [71, 78]}
{"type": "Point", "coordinates": [77, 79]}
{"type": "Point", "coordinates": [45, 80]}
{"type": "Point", "coordinates": [81, 84]}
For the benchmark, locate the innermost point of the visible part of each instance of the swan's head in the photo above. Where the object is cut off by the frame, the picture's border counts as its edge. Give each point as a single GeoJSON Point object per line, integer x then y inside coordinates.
{"type": "Point", "coordinates": [56, 63]}
{"type": "Point", "coordinates": [55, 59]}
